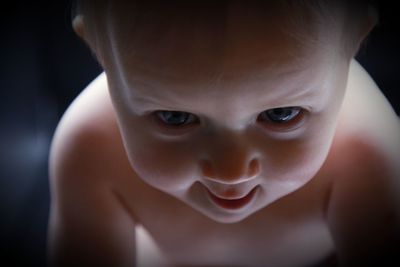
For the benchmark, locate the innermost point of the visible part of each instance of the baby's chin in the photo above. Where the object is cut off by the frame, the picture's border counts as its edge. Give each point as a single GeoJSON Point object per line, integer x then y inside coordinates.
{"type": "Point", "coordinates": [226, 217]}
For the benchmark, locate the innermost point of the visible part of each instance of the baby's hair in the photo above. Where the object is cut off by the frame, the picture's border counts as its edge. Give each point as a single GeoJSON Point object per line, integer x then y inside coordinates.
{"type": "Point", "coordinates": [347, 17]}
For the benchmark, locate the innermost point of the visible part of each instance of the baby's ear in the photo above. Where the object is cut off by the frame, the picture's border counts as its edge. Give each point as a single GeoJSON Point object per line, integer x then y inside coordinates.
{"type": "Point", "coordinates": [371, 19]}
{"type": "Point", "coordinates": [78, 26]}
{"type": "Point", "coordinates": [368, 18]}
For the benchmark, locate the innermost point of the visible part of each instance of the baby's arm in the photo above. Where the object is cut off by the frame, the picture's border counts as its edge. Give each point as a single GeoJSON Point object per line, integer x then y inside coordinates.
{"type": "Point", "coordinates": [88, 226]}
{"type": "Point", "coordinates": [364, 208]}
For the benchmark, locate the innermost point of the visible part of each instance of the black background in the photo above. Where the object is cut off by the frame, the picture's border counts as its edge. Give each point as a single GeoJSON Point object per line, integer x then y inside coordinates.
{"type": "Point", "coordinates": [43, 66]}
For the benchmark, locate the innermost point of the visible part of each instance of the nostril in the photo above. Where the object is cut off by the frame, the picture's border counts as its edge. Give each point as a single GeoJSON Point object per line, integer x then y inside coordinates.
{"type": "Point", "coordinates": [254, 168]}
{"type": "Point", "coordinates": [207, 169]}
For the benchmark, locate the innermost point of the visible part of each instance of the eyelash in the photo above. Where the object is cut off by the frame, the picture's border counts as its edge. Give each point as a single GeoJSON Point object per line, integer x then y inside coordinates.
{"type": "Point", "coordinates": [190, 119]}
{"type": "Point", "coordinates": [295, 118]}
{"type": "Point", "coordinates": [266, 118]}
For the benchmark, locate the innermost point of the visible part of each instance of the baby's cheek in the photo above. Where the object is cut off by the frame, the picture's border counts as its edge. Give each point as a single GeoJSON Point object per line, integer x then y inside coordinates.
{"type": "Point", "coordinates": [166, 166]}
{"type": "Point", "coordinates": [296, 161]}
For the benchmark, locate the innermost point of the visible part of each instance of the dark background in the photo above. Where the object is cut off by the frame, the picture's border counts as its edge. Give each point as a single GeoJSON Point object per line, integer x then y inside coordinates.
{"type": "Point", "coordinates": [43, 66]}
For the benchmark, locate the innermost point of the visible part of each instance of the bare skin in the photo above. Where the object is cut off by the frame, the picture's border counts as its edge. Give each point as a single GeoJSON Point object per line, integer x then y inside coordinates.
{"type": "Point", "coordinates": [266, 237]}
{"type": "Point", "coordinates": [229, 188]}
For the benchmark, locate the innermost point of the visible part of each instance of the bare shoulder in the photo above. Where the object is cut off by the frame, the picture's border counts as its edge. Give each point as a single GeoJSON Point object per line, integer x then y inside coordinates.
{"type": "Point", "coordinates": [368, 135]}
{"type": "Point", "coordinates": [88, 223]}
{"type": "Point", "coordinates": [368, 130]}
{"type": "Point", "coordinates": [87, 129]}
{"type": "Point", "coordinates": [368, 116]}
{"type": "Point", "coordinates": [363, 211]}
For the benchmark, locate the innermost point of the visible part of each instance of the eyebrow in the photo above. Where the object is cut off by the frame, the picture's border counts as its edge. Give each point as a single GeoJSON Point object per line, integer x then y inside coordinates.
{"type": "Point", "coordinates": [300, 97]}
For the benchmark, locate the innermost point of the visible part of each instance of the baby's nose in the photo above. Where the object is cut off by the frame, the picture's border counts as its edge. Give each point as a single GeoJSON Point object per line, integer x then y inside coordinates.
{"type": "Point", "coordinates": [231, 167]}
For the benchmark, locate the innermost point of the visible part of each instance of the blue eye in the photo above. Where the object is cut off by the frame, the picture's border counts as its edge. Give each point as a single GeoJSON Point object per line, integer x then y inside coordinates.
{"type": "Point", "coordinates": [281, 115]}
{"type": "Point", "coordinates": [175, 118]}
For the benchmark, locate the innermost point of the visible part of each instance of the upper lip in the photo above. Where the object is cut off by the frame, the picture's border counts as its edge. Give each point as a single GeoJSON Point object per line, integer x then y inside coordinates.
{"type": "Point", "coordinates": [230, 193]}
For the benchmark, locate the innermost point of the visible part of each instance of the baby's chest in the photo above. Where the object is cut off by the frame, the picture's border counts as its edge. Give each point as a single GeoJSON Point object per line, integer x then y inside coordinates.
{"type": "Point", "coordinates": [278, 242]}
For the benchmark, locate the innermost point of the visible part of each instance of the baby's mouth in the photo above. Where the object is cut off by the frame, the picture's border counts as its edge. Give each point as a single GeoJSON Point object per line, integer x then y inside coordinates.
{"type": "Point", "coordinates": [232, 204]}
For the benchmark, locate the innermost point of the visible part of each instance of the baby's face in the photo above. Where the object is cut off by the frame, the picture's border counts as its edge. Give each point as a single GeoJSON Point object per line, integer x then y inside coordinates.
{"type": "Point", "coordinates": [227, 118]}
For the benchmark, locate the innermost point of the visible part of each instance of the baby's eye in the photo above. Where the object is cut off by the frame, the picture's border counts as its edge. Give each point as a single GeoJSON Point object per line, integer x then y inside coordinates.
{"type": "Point", "coordinates": [281, 115]}
{"type": "Point", "coordinates": [282, 118]}
{"type": "Point", "coordinates": [175, 118]}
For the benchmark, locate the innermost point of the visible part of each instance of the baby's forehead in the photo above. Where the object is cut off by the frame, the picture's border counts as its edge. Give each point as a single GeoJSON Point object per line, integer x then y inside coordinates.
{"type": "Point", "coordinates": [212, 34]}
{"type": "Point", "coordinates": [160, 18]}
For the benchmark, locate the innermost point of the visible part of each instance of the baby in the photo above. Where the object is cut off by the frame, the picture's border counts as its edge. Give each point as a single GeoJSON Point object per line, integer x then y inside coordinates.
{"type": "Point", "coordinates": [226, 133]}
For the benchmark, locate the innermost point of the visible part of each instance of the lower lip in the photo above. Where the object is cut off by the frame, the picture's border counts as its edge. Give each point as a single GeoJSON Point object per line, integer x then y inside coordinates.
{"type": "Point", "coordinates": [233, 204]}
